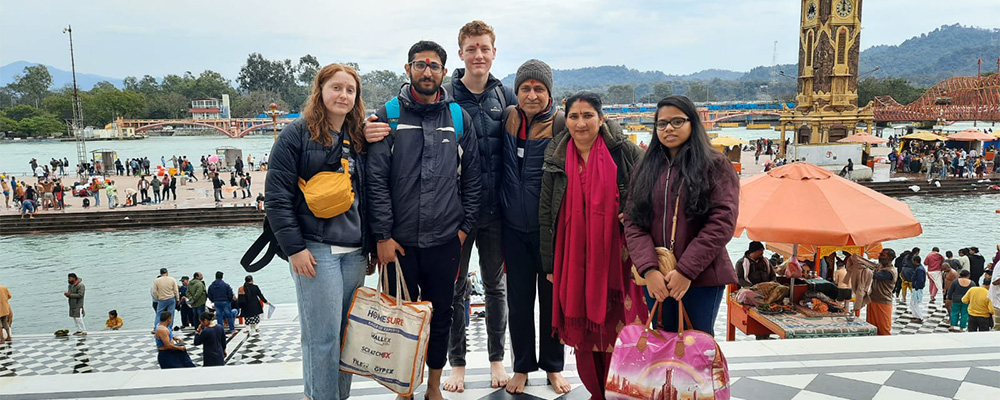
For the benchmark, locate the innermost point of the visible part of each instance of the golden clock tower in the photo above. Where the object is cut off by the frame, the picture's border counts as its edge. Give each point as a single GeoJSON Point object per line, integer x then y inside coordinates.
{"type": "Point", "coordinates": [826, 107]}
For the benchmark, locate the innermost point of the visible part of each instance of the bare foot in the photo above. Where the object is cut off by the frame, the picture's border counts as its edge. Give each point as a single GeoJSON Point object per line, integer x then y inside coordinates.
{"type": "Point", "coordinates": [433, 393]}
{"type": "Point", "coordinates": [498, 375]}
{"type": "Point", "coordinates": [516, 384]}
{"type": "Point", "coordinates": [559, 384]}
{"type": "Point", "coordinates": [456, 380]}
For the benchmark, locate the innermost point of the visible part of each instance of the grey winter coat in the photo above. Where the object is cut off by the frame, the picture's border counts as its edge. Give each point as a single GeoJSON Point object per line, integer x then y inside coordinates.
{"type": "Point", "coordinates": [76, 293]}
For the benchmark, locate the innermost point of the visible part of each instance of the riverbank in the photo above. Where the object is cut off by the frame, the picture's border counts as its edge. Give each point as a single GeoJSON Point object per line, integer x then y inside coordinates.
{"type": "Point", "coordinates": [193, 194]}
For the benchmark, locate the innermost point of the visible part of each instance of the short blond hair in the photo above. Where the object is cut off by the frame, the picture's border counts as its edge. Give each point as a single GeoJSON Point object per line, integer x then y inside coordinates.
{"type": "Point", "coordinates": [476, 28]}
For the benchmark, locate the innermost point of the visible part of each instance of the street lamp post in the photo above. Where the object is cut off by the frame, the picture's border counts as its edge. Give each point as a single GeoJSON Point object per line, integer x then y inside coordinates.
{"type": "Point", "coordinates": [81, 141]}
{"type": "Point", "coordinates": [274, 114]}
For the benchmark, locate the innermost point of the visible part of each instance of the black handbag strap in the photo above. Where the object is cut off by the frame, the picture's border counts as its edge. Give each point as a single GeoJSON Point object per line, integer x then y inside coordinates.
{"type": "Point", "coordinates": [265, 240]}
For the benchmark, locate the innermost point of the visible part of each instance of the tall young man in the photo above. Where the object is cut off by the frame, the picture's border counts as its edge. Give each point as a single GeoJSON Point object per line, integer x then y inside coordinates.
{"type": "Point", "coordinates": [424, 186]}
{"type": "Point", "coordinates": [484, 98]}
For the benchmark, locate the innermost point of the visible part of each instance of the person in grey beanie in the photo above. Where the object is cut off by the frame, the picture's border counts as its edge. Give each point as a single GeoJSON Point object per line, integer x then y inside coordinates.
{"type": "Point", "coordinates": [529, 127]}
{"type": "Point", "coordinates": [534, 69]}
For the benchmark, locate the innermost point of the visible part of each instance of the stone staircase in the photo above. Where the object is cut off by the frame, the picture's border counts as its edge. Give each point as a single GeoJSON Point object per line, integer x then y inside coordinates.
{"type": "Point", "coordinates": [55, 222]}
{"type": "Point", "coordinates": [948, 187]}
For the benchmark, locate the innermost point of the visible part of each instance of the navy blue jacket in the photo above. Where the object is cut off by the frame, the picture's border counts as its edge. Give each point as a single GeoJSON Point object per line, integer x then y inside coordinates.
{"type": "Point", "coordinates": [213, 341]}
{"type": "Point", "coordinates": [522, 178]}
{"type": "Point", "coordinates": [220, 291]}
{"type": "Point", "coordinates": [919, 277]}
{"type": "Point", "coordinates": [418, 197]}
{"type": "Point", "coordinates": [295, 156]}
{"type": "Point", "coordinates": [486, 110]}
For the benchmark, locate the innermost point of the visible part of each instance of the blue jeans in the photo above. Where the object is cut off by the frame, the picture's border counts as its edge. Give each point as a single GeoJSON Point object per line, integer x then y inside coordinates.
{"type": "Point", "coordinates": [702, 305]}
{"type": "Point", "coordinates": [323, 302]}
{"type": "Point", "coordinates": [165, 305]}
{"type": "Point", "coordinates": [97, 200]}
{"type": "Point", "coordinates": [224, 312]}
{"type": "Point", "coordinates": [197, 314]}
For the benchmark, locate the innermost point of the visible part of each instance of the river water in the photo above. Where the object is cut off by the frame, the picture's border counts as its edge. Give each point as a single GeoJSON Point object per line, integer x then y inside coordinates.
{"type": "Point", "coordinates": [118, 267]}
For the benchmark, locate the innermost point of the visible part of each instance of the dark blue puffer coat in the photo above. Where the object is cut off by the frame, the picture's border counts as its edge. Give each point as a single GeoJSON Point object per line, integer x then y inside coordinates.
{"type": "Point", "coordinates": [486, 112]}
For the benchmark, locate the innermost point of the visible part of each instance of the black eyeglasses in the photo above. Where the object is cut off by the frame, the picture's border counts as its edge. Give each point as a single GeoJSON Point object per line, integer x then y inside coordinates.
{"type": "Point", "coordinates": [420, 66]}
{"type": "Point", "coordinates": [678, 122]}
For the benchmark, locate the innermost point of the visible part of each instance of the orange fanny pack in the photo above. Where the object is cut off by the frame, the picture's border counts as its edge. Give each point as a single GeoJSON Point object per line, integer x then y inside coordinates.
{"type": "Point", "coordinates": [330, 193]}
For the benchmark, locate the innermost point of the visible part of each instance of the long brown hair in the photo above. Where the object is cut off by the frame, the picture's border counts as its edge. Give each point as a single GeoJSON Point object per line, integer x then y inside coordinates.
{"type": "Point", "coordinates": [316, 113]}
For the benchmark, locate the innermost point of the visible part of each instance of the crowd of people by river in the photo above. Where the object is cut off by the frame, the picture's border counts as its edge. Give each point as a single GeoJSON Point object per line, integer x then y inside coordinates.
{"type": "Point", "coordinates": [892, 279]}
{"type": "Point", "coordinates": [210, 312]}
{"type": "Point", "coordinates": [936, 160]}
{"type": "Point", "coordinates": [48, 189]}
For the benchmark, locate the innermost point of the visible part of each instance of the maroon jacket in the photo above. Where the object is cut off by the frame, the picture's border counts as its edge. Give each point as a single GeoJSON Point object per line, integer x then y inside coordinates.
{"type": "Point", "coordinates": [700, 248]}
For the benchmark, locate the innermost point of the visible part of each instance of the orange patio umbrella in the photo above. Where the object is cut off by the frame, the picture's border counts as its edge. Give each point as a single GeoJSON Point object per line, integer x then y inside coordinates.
{"type": "Point", "coordinates": [971, 135]}
{"type": "Point", "coordinates": [863, 138]}
{"type": "Point", "coordinates": [801, 203]}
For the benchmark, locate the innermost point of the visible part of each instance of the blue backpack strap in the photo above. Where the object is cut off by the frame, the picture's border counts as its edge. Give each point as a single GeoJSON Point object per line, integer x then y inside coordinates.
{"type": "Point", "coordinates": [392, 112]}
{"type": "Point", "coordinates": [457, 120]}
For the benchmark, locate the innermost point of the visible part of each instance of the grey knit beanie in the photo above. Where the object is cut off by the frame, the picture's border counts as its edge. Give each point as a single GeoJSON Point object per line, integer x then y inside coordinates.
{"type": "Point", "coordinates": [534, 69]}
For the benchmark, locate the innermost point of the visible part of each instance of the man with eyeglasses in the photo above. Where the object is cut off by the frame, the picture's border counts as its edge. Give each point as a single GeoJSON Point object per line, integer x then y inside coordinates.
{"type": "Point", "coordinates": [484, 97]}
{"type": "Point", "coordinates": [424, 186]}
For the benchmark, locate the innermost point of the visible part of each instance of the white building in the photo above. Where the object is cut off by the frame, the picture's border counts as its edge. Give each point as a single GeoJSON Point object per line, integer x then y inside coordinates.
{"type": "Point", "coordinates": [206, 109]}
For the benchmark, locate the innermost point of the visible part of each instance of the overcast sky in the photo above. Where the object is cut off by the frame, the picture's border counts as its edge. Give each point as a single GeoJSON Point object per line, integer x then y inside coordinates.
{"type": "Point", "coordinates": [119, 38]}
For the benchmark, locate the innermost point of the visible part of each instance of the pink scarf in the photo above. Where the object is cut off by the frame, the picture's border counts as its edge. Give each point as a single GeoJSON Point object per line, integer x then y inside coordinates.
{"type": "Point", "coordinates": [587, 257]}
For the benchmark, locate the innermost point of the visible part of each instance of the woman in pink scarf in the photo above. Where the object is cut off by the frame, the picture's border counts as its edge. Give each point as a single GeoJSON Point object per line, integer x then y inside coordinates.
{"type": "Point", "coordinates": [586, 172]}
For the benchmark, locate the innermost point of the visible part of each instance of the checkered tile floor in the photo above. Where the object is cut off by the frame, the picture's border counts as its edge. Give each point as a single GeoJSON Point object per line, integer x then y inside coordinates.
{"type": "Point", "coordinates": [936, 383]}
{"type": "Point", "coordinates": [856, 372]}
{"type": "Point", "coordinates": [135, 350]}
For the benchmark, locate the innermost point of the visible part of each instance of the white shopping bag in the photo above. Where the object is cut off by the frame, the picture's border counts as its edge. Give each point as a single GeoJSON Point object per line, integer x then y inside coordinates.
{"type": "Point", "coordinates": [270, 310]}
{"type": "Point", "coordinates": [386, 337]}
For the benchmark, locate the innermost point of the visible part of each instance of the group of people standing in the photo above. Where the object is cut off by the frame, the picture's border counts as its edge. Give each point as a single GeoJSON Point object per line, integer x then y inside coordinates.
{"type": "Point", "coordinates": [936, 161]}
{"type": "Point", "coordinates": [551, 196]}
{"type": "Point", "coordinates": [953, 277]}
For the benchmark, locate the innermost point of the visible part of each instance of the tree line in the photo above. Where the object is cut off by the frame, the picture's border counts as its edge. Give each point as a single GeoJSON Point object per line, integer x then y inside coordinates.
{"type": "Point", "coordinates": [28, 108]}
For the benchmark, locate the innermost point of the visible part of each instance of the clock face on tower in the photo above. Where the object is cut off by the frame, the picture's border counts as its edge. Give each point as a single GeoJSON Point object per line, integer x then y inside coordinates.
{"type": "Point", "coordinates": [811, 11]}
{"type": "Point", "coordinates": [844, 8]}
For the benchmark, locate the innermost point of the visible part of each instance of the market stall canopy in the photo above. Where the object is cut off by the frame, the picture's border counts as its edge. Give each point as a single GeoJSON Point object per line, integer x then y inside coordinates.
{"type": "Point", "coordinates": [728, 141]}
{"type": "Point", "coordinates": [805, 204]}
{"type": "Point", "coordinates": [863, 138]}
{"type": "Point", "coordinates": [925, 136]}
{"type": "Point", "coordinates": [808, 252]}
{"type": "Point", "coordinates": [971, 135]}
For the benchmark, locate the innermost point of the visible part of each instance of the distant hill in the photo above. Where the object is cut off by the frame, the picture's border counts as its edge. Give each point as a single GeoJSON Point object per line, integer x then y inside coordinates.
{"type": "Point", "coordinates": [60, 78]}
{"type": "Point", "coordinates": [951, 50]}
{"type": "Point", "coordinates": [603, 76]}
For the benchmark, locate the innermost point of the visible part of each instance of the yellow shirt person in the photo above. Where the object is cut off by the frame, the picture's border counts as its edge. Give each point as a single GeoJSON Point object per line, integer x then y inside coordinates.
{"type": "Point", "coordinates": [980, 309]}
{"type": "Point", "coordinates": [114, 321]}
